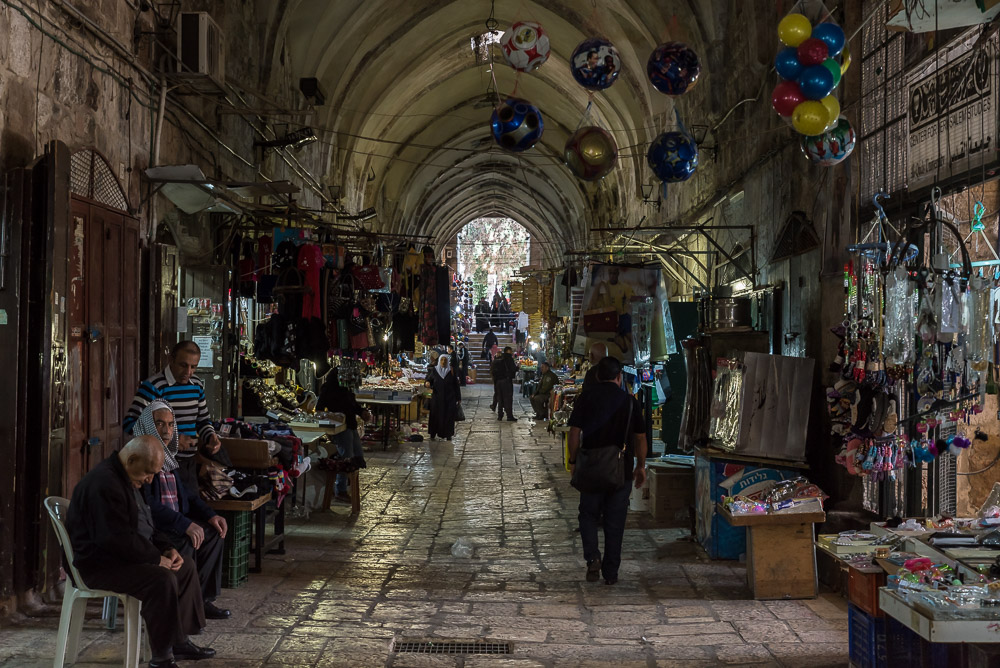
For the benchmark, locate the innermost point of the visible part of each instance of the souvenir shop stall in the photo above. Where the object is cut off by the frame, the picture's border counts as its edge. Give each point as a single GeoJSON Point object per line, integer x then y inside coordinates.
{"type": "Point", "coordinates": [274, 311]}
{"type": "Point", "coordinates": [463, 319]}
{"type": "Point", "coordinates": [913, 408]}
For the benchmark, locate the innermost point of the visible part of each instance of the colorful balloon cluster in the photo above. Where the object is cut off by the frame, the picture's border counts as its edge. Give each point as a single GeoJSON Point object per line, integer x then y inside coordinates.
{"type": "Point", "coordinates": [810, 69]}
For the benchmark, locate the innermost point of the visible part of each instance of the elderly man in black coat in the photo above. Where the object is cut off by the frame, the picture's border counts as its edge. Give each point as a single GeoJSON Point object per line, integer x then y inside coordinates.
{"type": "Point", "coordinates": [116, 547]}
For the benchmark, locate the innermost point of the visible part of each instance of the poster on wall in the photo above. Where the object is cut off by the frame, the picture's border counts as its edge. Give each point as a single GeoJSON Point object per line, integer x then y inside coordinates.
{"type": "Point", "coordinates": [951, 114]}
{"type": "Point", "coordinates": [608, 314]}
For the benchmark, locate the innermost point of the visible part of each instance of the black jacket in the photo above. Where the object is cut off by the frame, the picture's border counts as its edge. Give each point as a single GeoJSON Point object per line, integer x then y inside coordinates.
{"type": "Point", "coordinates": [103, 521]}
{"type": "Point", "coordinates": [504, 368]}
{"type": "Point", "coordinates": [489, 340]}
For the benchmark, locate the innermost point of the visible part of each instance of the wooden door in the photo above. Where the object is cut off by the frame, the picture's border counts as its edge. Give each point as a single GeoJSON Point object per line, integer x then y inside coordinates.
{"type": "Point", "coordinates": [104, 331]}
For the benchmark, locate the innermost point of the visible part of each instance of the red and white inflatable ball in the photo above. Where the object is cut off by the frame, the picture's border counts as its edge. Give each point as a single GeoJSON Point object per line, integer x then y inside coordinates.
{"type": "Point", "coordinates": [525, 46]}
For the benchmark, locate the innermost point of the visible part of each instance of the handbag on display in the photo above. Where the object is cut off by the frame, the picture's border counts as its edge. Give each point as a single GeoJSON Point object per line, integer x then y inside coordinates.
{"type": "Point", "coordinates": [600, 320]}
{"type": "Point", "coordinates": [368, 276]}
{"type": "Point", "coordinates": [601, 470]}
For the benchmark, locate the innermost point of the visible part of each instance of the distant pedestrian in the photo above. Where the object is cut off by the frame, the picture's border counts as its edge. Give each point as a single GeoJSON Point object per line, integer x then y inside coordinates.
{"type": "Point", "coordinates": [606, 415]}
{"type": "Point", "coordinates": [504, 369]}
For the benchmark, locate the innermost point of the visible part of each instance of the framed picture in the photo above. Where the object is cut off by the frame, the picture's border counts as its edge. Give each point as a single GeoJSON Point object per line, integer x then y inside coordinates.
{"type": "Point", "coordinates": [448, 253]}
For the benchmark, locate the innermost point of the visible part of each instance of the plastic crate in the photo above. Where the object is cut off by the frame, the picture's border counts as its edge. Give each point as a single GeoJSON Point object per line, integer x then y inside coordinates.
{"type": "Point", "coordinates": [236, 554]}
{"type": "Point", "coordinates": [906, 649]}
{"type": "Point", "coordinates": [867, 639]}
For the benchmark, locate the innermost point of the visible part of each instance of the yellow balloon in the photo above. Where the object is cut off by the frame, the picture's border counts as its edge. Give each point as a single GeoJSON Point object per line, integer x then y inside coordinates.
{"type": "Point", "coordinates": [832, 106]}
{"type": "Point", "coordinates": [810, 118]}
{"type": "Point", "coordinates": [845, 58]}
{"type": "Point", "coordinates": [794, 29]}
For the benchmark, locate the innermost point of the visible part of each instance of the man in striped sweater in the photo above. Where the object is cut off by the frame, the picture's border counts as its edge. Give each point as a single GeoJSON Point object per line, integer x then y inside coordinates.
{"type": "Point", "coordinates": [185, 392]}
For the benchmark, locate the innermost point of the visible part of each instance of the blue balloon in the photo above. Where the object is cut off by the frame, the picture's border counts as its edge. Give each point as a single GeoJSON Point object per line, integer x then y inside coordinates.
{"type": "Point", "coordinates": [516, 125]}
{"type": "Point", "coordinates": [673, 157]}
{"type": "Point", "coordinates": [816, 82]}
{"type": "Point", "coordinates": [832, 35]}
{"type": "Point", "coordinates": [787, 64]}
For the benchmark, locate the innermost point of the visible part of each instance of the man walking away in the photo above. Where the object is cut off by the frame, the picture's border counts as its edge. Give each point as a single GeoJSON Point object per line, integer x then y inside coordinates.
{"type": "Point", "coordinates": [540, 399]}
{"type": "Point", "coordinates": [504, 369]}
{"type": "Point", "coordinates": [601, 418]}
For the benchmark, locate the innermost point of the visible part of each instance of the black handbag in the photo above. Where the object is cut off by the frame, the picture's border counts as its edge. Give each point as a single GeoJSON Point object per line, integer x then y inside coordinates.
{"type": "Point", "coordinates": [459, 413]}
{"type": "Point", "coordinates": [602, 470]}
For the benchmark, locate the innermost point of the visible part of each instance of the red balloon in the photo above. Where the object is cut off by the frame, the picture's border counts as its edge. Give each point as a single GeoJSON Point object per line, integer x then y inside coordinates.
{"type": "Point", "coordinates": [813, 51]}
{"type": "Point", "coordinates": [786, 96]}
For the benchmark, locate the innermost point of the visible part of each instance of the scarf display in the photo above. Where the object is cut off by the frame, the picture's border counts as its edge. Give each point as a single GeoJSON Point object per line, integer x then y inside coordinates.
{"type": "Point", "coordinates": [146, 426]}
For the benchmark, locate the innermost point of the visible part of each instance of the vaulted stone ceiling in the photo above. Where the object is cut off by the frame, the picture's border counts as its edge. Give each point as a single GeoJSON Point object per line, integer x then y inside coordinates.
{"type": "Point", "coordinates": [406, 118]}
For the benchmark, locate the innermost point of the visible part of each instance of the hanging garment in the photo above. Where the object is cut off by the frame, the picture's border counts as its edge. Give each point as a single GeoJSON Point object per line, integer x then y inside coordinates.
{"type": "Point", "coordinates": [428, 305]}
{"type": "Point", "coordinates": [444, 307]}
{"type": "Point", "coordinates": [310, 262]}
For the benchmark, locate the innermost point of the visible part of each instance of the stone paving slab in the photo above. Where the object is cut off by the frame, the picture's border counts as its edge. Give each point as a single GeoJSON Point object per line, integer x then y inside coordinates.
{"type": "Point", "coordinates": [348, 587]}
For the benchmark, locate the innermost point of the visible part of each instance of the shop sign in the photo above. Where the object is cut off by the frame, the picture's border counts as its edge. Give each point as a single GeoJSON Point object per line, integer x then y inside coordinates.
{"type": "Point", "coordinates": [952, 119]}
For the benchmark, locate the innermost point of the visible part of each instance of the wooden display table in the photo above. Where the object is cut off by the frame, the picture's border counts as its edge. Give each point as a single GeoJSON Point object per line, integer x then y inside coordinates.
{"type": "Point", "coordinates": [258, 508]}
{"type": "Point", "coordinates": [781, 557]}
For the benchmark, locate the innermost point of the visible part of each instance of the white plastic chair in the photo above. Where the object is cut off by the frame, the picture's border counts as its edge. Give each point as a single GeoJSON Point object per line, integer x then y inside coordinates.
{"type": "Point", "coordinates": [74, 604]}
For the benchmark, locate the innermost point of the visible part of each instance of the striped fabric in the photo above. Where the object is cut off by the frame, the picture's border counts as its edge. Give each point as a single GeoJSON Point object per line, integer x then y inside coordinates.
{"type": "Point", "coordinates": [187, 400]}
{"type": "Point", "coordinates": [168, 490]}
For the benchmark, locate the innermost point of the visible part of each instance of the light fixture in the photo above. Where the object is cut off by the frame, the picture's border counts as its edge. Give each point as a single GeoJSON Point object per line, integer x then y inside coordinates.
{"type": "Point", "coordinates": [647, 192]}
{"type": "Point", "coordinates": [334, 194]}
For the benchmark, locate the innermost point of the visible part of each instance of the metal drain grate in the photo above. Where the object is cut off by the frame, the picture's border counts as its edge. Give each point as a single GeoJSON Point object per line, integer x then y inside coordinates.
{"type": "Point", "coordinates": [484, 431]}
{"type": "Point", "coordinates": [450, 647]}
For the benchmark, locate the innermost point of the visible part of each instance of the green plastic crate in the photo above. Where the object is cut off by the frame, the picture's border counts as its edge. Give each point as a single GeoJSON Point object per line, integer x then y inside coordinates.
{"type": "Point", "coordinates": [236, 554]}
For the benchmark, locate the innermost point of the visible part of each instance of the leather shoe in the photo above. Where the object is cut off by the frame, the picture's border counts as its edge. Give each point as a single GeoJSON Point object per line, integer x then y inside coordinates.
{"type": "Point", "coordinates": [191, 652]}
{"type": "Point", "coordinates": [213, 612]}
{"type": "Point", "coordinates": [169, 663]}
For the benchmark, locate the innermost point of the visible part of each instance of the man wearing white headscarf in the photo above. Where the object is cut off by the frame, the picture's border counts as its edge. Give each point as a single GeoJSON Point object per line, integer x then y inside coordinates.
{"type": "Point", "coordinates": [179, 512]}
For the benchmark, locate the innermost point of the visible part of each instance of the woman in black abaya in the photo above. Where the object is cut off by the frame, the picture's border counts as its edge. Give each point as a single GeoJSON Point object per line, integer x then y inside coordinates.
{"type": "Point", "coordinates": [446, 397]}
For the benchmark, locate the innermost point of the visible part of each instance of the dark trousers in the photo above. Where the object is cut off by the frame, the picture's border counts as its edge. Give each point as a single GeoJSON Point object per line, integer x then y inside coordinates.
{"type": "Point", "coordinates": [612, 506]}
{"type": "Point", "coordinates": [207, 558]}
{"type": "Point", "coordinates": [504, 391]}
{"type": "Point", "coordinates": [171, 600]}
{"type": "Point", "coordinates": [540, 402]}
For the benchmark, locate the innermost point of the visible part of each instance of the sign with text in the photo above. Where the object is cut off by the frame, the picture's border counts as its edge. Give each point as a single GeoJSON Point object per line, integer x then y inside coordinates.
{"type": "Point", "coordinates": [952, 114]}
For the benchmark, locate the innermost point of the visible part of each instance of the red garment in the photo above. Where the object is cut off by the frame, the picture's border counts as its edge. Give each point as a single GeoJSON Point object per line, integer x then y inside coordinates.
{"type": "Point", "coordinates": [310, 262]}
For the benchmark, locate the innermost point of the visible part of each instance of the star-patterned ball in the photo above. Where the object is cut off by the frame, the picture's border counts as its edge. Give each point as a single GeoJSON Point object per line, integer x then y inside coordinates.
{"type": "Point", "coordinates": [525, 46]}
{"type": "Point", "coordinates": [516, 125]}
{"type": "Point", "coordinates": [673, 157]}
{"type": "Point", "coordinates": [673, 68]}
{"type": "Point", "coordinates": [590, 153]}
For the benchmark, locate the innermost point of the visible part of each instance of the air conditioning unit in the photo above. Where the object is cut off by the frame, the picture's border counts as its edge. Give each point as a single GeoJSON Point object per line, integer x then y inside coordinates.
{"type": "Point", "coordinates": [201, 48]}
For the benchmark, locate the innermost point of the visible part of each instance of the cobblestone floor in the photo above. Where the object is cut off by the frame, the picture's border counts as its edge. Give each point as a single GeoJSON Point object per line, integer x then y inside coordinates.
{"type": "Point", "coordinates": [347, 587]}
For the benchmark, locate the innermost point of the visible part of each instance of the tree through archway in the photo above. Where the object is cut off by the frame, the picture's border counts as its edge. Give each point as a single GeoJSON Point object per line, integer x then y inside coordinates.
{"type": "Point", "coordinates": [490, 250]}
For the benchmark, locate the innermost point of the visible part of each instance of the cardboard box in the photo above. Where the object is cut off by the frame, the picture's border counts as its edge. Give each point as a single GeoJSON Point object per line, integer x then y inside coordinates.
{"type": "Point", "coordinates": [248, 453]}
{"type": "Point", "coordinates": [671, 495]}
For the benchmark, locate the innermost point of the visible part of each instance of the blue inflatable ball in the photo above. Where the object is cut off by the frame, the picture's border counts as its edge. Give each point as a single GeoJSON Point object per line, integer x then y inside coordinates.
{"type": "Point", "coordinates": [832, 35]}
{"type": "Point", "coordinates": [787, 64]}
{"type": "Point", "coordinates": [673, 68]}
{"type": "Point", "coordinates": [673, 157]}
{"type": "Point", "coordinates": [516, 125]}
{"type": "Point", "coordinates": [595, 63]}
{"type": "Point", "coordinates": [816, 82]}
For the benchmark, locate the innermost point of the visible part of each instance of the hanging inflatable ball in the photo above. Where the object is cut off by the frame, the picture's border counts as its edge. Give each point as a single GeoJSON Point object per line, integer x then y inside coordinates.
{"type": "Point", "coordinates": [673, 68]}
{"type": "Point", "coordinates": [673, 157]}
{"type": "Point", "coordinates": [516, 125]}
{"type": "Point", "coordinates": [595, 64]}
{"type": "Point", "coordinates": [590, 153]}
{"type": "Point", "coordinates": [525, 46]}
